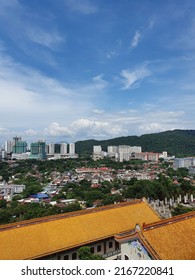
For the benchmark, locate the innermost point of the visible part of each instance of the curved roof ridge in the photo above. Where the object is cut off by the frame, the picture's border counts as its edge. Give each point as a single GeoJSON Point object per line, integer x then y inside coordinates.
{"type": "Point", "coordinates": [67, 215]}
{"type": "Point", "coordinates": [168, 221]}
{"type": "Point", "coordinates": [40, 237]}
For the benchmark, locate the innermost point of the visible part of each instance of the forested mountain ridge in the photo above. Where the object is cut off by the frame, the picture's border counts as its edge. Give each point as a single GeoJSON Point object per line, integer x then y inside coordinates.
{"type": "Point", "coordinates": [177, 142]}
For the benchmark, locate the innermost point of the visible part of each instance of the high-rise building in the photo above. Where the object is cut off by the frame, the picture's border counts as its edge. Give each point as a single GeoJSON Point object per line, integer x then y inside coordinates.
{"type": "Point", "coordinates": [38, 150]}
{"type": "Point", "coordinates": [8, 146]}
{"type": "Point", "coordinates": [72, 148]}
{"type": "Point", "coordinates": [112, 152]}
{"type": "Point", "coordinates": [19, 147]}
{"type": "Point", "coordinates": [63, 148]}
{"type": "Point", "coordinates": [97, 149]}
{"type": "Point", "coordinates": [112, 149]}
{"type": "Point", "coordinates": [57, 149]}
{"type": "Point", "coordinates": [135, 149]}
{"type": "Point", "coordinates": [124, 153]}
{"type": "Point", "coordinates": [124, 149]}
{"type": "Point", "coordinates": [51, 148]}
{"type": "Point", "coordinates": [16, 145]}
{"type": "Point", "coordinates": [16, 139]}
{"type": "Point", "coordinates": [97, 152]}
{"type": "Point", "coordinates": [183, 162]}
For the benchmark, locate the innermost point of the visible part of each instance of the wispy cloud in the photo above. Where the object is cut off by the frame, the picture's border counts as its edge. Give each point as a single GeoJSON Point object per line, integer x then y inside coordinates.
{"type": "Point", "coordinates": [3, 130]}
{"type": "Point", "coordinates": [111, 54]}
{"type": "Point", "coordinates": [151, 24]}
{"type": "Point", "coordinates": [28, 92]}
{"type": "Point", "coordinates": [136, 39]}
{"type": "Point", "coordinates": [99, 81]}
{"type": "Point", "coordinates": [84, 7]}
{"type": "Point", "coordinates": [97, 111]}
{"type": "Point", "coordinates": [48, 39]}
{"type": "Point", "coordinates": [132, 79]}
{"type": "Point", "coordinates": [185, 40]}
{"type": "Point", "coordinates": [24, 26]}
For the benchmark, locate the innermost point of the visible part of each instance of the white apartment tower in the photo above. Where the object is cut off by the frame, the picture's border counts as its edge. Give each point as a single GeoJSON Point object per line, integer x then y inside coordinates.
{"type": "Point", "coordinates": [97, 152]}
{"type": "Point", "coordinates": [135, 149]}
{"type": "Point", "coordinates": [72, 148]}
{"type": "Point", "coordinates": [97, 149]}
{"type": "Point", "coordinates": [112, 150]}
{"type": "Point", "coordinates": [8, 146]}
{"type": "Point", "coordinates": [124, 152]}
{"type": "Point", "coordinates": [63, 148]}
{"type": "Point", "coordinates": [51, 148]}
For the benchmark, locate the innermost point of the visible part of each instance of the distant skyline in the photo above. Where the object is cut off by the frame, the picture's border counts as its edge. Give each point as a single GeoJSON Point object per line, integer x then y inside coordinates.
{"type": "Point", "coordinates": [73, 70]}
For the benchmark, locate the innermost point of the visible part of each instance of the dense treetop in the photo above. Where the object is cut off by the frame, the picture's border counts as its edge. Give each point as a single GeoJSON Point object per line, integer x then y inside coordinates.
{"type": "Point", "coordinates": [180, 143]}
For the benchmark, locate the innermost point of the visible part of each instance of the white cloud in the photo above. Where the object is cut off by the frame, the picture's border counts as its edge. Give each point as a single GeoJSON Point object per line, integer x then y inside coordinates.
{"type": "Point", "coordinates": [84, 7]}
{"type": "Point", "coordinates": [151, 24]}
{"type": "Point", "coordinates": [48, 39]}
{"type": "Point", "coordinates": [131, 79]}
{"type": "Point", "coordinates": [55, 129]}
{"type": "Point", "coordinates": [151, 127]}
{"type": "Point", "coordinates": [97, 128]}
{"type": "Point", "coordinates": [111, 54]}
{"type": "Point", "coordinates": [29, 97]}
{"type": "Point", "coordinates": [97, 111]}
{"type": "Point", "coordinates": [136, 39]}
{"type": "Point", "coordinates": [104, 126]}
{"type": "Point", "coordinates": [125, 123]}
{"type": "Point", "coordinates": [99, 82]}
{"type": "Point", "coordinates": [25, 26]}
{"type": "Point", "coordinates": [31, 101]}
{"type": "Point", "coordinates": [30, 132]}
{"type": "Point", "coordinates": [3, 130]}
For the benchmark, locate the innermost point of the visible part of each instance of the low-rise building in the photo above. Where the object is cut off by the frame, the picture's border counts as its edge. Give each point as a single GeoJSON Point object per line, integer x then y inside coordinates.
{"type": "Point", "coordinates": [8, 191]}
{"type": "Point", "coordinates": [183, 162]}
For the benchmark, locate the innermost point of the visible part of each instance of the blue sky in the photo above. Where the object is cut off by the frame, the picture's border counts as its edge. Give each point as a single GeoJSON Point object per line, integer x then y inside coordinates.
{"type": "Point", "coordinates": [80, 69]}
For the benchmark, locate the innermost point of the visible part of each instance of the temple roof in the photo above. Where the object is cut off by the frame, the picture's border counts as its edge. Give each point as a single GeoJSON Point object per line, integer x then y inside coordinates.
{"type": "Point", "coordinates": [43, 236]}
{"type": "Point", "coordinates": [168, 239]}
{"type": "Point", "coordinates": [174, 239]}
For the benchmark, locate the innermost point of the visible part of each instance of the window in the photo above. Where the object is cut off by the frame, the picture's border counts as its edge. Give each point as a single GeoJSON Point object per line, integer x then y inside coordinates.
{"type": "Point", "coordinates": [99, 248]}
{"type": "Point", "coordinates": [66, 257]}
{"type": "Point", "coordinates": [74, 256]}
{"type": "Point", "coordinates": [116, 245]}
{"type": "Point", "coordinates": [59, 257]}
{"type": "Point", "coordinates": [139, 255]}
{"type": "Point", "coordinates": [110, 244]}
{"type": "Point", "coordinates": [92, 250]}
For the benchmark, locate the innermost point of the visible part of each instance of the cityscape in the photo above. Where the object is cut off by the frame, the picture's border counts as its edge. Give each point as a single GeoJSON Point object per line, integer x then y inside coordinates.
{"type": "Point", "coordinates": [48, 182]}
{"type": "Point", "coordinates": [97, 133]}
{"type": "Point", "coordinates": [18, 149]}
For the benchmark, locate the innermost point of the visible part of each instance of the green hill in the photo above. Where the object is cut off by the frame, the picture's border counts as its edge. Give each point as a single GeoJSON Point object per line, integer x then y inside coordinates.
{"type": "Point", "coordinates": [177, 142]}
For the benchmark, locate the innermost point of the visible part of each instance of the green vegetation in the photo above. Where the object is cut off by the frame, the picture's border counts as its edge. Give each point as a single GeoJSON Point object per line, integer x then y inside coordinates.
{"type": "Point", "coordinates": [157, 189]}
{"type": "Point", "coordinates": [84, 253]}
{"type": "Point", "coordinates": [180, 209]}
{"type": "Point", "coordinates": [180, 143]}
{"type": "Point", "coordinates": [16, 212]}
{"type": "Point", "coordinates": [35, 175]}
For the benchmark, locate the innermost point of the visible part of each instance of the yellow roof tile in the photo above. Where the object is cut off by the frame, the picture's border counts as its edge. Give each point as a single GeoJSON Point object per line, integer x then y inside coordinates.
{"type": "Point", "coordinates": [173, 240]}
{"type": "Point", "coordinates": [35, 238]}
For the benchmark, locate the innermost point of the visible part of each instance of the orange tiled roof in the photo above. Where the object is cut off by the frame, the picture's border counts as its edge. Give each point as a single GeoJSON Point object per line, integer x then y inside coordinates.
{"type": "Point", "coordinates": [167, 239]}
{"type": "Point", "coordinates": [173, 239]}
{"type": "Point", "coordinates": [39, 237]}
